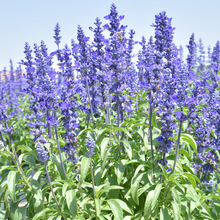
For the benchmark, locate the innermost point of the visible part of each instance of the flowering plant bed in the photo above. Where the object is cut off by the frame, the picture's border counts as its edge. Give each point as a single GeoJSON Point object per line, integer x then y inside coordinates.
{"type": "Point", "coordinates": [103, 136]}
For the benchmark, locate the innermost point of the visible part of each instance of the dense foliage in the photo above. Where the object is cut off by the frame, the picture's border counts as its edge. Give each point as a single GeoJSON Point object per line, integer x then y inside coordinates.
{"type": "Point", "coordinates": [102, 136]}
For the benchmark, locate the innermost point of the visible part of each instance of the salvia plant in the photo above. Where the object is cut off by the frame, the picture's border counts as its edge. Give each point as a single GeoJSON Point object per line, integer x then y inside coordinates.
{"type": "Point", "coordinates": [94, 131]}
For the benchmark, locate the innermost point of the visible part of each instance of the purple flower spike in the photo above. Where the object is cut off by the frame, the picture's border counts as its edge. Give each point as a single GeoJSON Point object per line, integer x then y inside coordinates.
{"type": "Point", "coordinates": [42, 152]}
{"type": "Point", "coordinates": [90, 146]}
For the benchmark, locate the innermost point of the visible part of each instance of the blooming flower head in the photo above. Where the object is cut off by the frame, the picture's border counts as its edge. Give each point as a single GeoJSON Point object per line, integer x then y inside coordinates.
{"type": "Point", "coordinates": [114, 19]}
{"type": "Point", "coordinates": [42, 152]}
{"type": "Point", "coordinates": [90, 146]}
{"type": "Point", "coordinates": [191, 58]}
{"type": "Point", "coordinates": [57, 36]}
{"type": "Point", "coordinates": [163, 34]}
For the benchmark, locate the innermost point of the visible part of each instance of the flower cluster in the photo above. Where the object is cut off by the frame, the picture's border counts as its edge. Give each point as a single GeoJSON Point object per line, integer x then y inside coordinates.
{"type": "Point", "coordinates": [98, 80]}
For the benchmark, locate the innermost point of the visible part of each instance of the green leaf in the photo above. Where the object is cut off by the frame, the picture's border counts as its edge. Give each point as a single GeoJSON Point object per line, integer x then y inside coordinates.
{"type": "Point", "coordinates": [56, 160]}
{"type": "Point", "coordinates": [20, 158]}
{"type": "Point", "coordinates": [213, 196]}
{"type": "Point", "coordinates": [134, 187]}
{"type": "Point", "coordinates": [164, 215]}
{"type": "Point", "coordinates": [112, 187]}
{"type": "Point", "coordinates": [148, 204]}
{"type": "Point", "coordinates": [98, 206]}
{"type": "Point", "coordinates": [164, 171]}
{"type": "Point", "coordinates": [2, 214]}
{"type": "Point", "coordinates": [20, 213]}
{"type": "Point", "coordinates": [7, 168]}
{"type": "Point", "coordinates": [116, 209]}
{"type": "Point", "coordinates": [104, 160]}
{"type": "Point", "coordinates": [23, 147]}
{"type": "Point", "coordinates": [119, 170]}
{"type": "Point", "coordinates": [84, 131]}
{"type": "Point", "coordinates": [86, 184]}
{"type": "Point", "coordinates": [191, 141]}
{"type": "Point", "coordinates": [176, 197]}
{"type": "Point", "coordinates": [37, 200]}
{"type": "Point", "coordinates": [154, 120]}
{"type": "Point", "coordinates": [143, 189]}
{"type": "Point", "coordinates": [65, 186]}
{"type": "Point", "coordinates": [206, 209]}
{"type": "Point", "coordinates": [128, 148]}
{"type": "Point", "coordinates": [85, 163]}
{"type": "Point", "coordinates": [138, 125]}
{"type": "Point", "coordinates": [122, 129]}
{"type": "Point", "coordinates": [176, 211]}
{"type": "Point", "coordinates": [13, 206]}
{"type": "Point", "coordinates": [124, 206]}
{"type": "Point", "coordinates": [103, 147]}
{"type": "Point", "coordinates": [71, 202]}
{"type": "Point", "coordinates": [41, 214]}
{"type": "Point", "coordinates": [192, 178]}
{"type": "Point", "coordinates": [11, 184]}
{"type": "Point", "coordinates": [37, 175]}
{"type": "Point", "coordinates": [184, 152]}
{"type": "Point", "coordinates": [156, 195]}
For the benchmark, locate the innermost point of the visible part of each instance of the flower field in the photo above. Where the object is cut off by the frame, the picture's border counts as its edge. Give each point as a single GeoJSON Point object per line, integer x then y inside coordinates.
{"type": "Point", "coordinates": [95, 131]}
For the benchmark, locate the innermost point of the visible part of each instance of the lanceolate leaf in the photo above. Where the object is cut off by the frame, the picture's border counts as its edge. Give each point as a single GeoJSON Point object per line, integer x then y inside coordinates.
{"type": "Point", "coordinates": [135, 187]}
{"type": "Point", "coordinates": [124, 206]}
{"type": "Point", "coordinates": [56, 160]}
{"type": "Point", "coordinates": [156, 195]}
{"type": "Point", "coordinates": [116, 209]}
{"type": "Point", "coordinates": [71, 202]}
{"type": "Point", "coordinates": [11, 184]}
{"type": "Point", "coordinates": [103, 148]}
{"type": "Point", "coordinates": [20, 213]}
{"type": "Point", "coordinates": [176, 211]}
{"type": "Point", "coordinates": [148, 204]}
{"type": "Point", "coordinates": [128, 149]}
{"type": "Point", "coordinates": [40, 215]}
{"type": "Point", "coordinates": [84, 168]}
{"type": "Point", "coordinates": [190, 140]}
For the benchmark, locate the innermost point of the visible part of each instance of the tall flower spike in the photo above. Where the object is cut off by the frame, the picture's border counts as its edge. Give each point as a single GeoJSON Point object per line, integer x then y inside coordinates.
{"type": "Point", "coordinates": [132, 74]}
{"type": "Point", "coordinates": [201, 58]}
{"type": "Point", "coordinates": [163, 34]}
{"type": "Point", "coordinates": [181, 52]}
{"type": "Point", "coordinates": [215, 57]}
{"type": "Point", "coordinates": [163, 74]}
{"type": "Point", "coordinates": [12, 76]}
{"type": "Point", "coordinates": [191, 58]}
{"type": "Point", "coordinates": [114, 21]}
{"type": "Point", "coordinates": [90, 146]}
{"type": "Point", "coordinates": [57, 36]}
{"type": "Point", "coordinates": [130, 47]}
{"type": "Point", "coordinates": [97, 76]}
{"type": "Point", "coordinates": [41, 152]}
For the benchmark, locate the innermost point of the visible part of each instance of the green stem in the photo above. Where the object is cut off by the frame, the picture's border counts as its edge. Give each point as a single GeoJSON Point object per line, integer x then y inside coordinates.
{"type": "Point", "coordinates": [161, 176]}
{"type": "Point", "coordinates": [118, 123]}
{"type": "Point", "coordinates": [177, 147]}
{"type": "Point", "coordinates": [18, 165]}
{"type": "Point", "coordinates": [150, 127]}
{"type": "Point", "coordinates": [93, 187]}
{"type": "Point", "coordinates": [52, 191]}
{"type": "Point", "coordinates": [164, 193]}
{"type": "Point", "coordinates": [14, 157]}
{"type": "Point", "coordinates": [19, 168]}
{"type": "Point", "coordinates": [49, 133]}
{"type": "Point", "coordinates": [151, 133]}
{"type": "Point", "coordinates": [58, 146]}
{"type": "Point", "coordinates": [1, 136]}
{"type": "Point", "coordinates": [90, 104]}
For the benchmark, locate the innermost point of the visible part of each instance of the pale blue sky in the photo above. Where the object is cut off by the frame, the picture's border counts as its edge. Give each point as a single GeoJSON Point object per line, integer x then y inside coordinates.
{"type": "Point", "coordinates": [34, 20]}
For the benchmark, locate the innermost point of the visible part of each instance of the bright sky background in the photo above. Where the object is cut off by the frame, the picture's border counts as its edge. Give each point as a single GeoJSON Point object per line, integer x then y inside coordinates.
{"type": "Point", "coordinates": [34, 20]}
